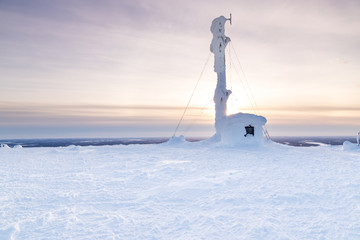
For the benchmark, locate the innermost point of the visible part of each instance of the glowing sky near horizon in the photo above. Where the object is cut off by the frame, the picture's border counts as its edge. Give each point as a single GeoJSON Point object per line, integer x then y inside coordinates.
{"type": "Point", "coordinates": [127, 68]}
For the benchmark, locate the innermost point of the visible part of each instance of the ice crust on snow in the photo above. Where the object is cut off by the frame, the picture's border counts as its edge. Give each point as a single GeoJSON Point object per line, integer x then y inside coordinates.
{"type": "Point", "coordinates": [180, 191]}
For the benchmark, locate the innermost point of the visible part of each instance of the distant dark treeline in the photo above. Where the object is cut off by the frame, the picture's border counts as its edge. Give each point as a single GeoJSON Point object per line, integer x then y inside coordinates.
{"type": "Point", "coordinates": [64, 142]}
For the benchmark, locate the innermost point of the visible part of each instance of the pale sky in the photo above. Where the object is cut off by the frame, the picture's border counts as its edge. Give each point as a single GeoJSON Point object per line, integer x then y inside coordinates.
{"type": "Point", "coordinates": [127, 68]}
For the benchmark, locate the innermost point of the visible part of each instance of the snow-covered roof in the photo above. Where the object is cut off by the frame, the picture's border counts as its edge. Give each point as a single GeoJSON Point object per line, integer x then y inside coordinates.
{"type": "Point", "coordinates": [247, 118]}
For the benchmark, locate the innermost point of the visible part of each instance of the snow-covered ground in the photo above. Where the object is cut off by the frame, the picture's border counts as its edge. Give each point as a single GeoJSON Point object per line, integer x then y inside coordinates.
{"type": "Point", "coordinates": [180, 191]}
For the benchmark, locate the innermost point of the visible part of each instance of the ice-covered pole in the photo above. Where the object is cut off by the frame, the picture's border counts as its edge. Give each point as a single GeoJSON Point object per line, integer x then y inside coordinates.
{"type": "Point", "coordinates": [217, 46]}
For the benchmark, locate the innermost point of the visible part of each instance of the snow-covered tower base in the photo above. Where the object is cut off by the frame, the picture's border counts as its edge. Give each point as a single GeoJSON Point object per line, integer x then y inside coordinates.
{"type": "Point", "coordinates": [243, 129]}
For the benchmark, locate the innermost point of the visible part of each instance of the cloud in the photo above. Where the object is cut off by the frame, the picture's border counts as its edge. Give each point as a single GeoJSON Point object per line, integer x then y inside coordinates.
{"type": "Point", "coordinates": [31, 121]}
{"type": "Point", "coordinates": [111, 115]}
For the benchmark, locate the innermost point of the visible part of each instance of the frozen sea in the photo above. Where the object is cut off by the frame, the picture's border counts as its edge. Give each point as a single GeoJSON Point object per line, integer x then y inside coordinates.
{"type": "Point", "coordinates": [188, 190]}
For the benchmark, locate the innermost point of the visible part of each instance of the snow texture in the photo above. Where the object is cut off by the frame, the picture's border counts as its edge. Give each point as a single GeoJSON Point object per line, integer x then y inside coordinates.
{"type": "Point", "coordinates": [180, 190]}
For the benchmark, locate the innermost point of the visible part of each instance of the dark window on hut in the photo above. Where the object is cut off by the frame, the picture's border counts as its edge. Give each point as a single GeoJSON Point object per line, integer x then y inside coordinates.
{"type": "Point", "coordinates": [249, 130]}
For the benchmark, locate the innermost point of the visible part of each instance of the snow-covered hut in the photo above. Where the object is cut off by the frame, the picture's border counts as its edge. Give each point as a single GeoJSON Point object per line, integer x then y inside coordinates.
{"type": "Point", "coordinates": [243, 128]}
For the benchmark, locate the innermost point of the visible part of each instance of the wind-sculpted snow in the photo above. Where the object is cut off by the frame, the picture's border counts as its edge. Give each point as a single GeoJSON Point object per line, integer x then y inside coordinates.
{"type": "Point", "coordinates": [348, 146]}
{"type": "Point", "coordinates": [179, 191]}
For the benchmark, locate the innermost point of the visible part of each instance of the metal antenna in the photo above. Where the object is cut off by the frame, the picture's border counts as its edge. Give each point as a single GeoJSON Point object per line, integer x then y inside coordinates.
{"type": "Point", "coordinates": [230, 19]}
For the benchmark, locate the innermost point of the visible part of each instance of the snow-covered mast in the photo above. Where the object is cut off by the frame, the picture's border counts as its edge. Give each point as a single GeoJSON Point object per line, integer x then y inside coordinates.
{"type": "Point", "coordinates": [239, 128]}
{"type": "Point", "coordinates": [217, 46]}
